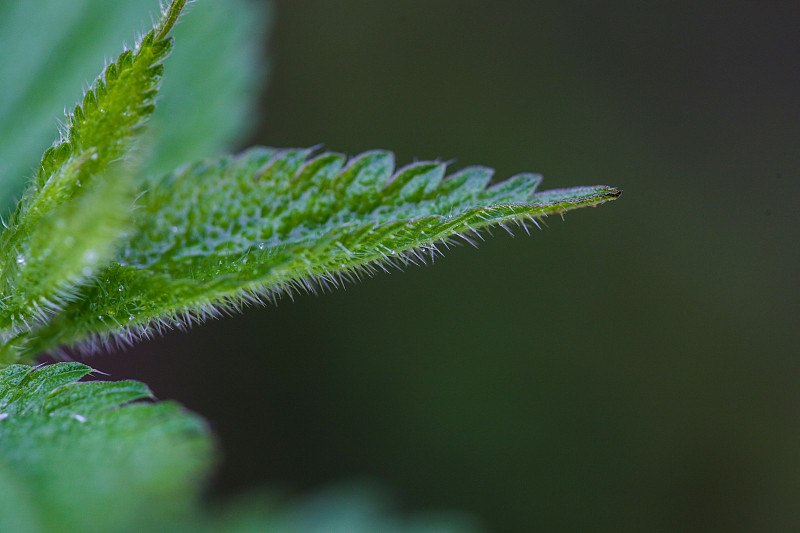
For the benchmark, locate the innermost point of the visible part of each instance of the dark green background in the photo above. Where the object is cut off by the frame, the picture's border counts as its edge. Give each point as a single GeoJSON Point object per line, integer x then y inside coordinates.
{"type": "Point", "coordinates": [634, 368]}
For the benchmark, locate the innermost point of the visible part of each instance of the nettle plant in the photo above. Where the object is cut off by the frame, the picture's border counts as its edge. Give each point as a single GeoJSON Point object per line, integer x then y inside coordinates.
{"type": "Point", "coordinates": [98, 253]}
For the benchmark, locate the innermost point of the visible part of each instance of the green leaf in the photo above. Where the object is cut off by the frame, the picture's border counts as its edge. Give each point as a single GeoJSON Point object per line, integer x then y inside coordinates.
{"type": "Point", "coordinates": [215, 108]}
{"type": "Point", "coordinates": [64, 249]}
{"type": "Point", "coordinates": [217, 234]}
{"type": "Point", "coordinates": [100, 129]}
{"type": "Point", "coordinates": [52, 47]}
{"type": "Point", "coordinates": [84, 457]}
{"type": "Point", "coordinates": [344, 508]}
{"type": "Point", "coordinates": [75, 208]}
{"type": "Point", "coordinates": [81, 457]}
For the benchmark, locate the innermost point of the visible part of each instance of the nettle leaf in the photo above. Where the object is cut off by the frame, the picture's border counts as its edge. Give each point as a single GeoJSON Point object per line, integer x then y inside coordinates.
{"type": "Point", "coordinates": [93, 457]}
{"type": "Point", "coordinates": [82, 457]}
{"type": "Point", "coordinates": [80, 200]}
{"type": "Point", "coordinates": [217, 234]}
{"type": "Point", "coordinates": [52, 47]}
{"type": "Point", "coordinates": [100, 129]}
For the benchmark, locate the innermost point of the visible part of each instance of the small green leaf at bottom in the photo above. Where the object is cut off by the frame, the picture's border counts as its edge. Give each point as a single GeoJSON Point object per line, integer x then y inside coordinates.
{"type": "Point", "coordinates": [79, 457]}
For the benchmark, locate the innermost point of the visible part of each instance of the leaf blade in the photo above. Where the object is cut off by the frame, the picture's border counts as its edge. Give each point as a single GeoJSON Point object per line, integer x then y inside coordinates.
{"type": "Point", "coordinates": [217, 234]}
{"type": "Point", "coordinates": [44, 265]}
{"type": "Point", "coordinates": [96, 462]}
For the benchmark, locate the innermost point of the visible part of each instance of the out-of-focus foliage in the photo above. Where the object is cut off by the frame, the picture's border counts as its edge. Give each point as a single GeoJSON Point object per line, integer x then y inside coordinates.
{"type": "Point", "coordinates": [52, 47]}
{"type": "Point", "coordinates": [81, 457]}
{"type": "Point", "coordinates": [346, 508]}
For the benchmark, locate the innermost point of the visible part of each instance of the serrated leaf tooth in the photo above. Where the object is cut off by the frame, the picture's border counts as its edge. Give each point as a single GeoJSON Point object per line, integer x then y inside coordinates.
{"type": "Point", "coordinates": [124, 61]}
{"type": "Point", "coordinates": [516, 189]}
{"type": "Point", "coordinates": [364, 177]}
{"type": "Point", "coordinates": [77, 114]}
{"type": "Point", "coordinates": [144, 43]}
{"type": "Point", "coordinates": [465, 184]}
{"type": "Point", "coordinates": [156, 71]}
{"type": "Point", "coordinates": [145, 110]}
{"type": "Point", "coordinates": [93, 396]}
{"type": "Point", "coordinates": [255, 153]}
{"type": "Point", "coordinates": [283, 167]}
{"type": "Point", "coordinates": [317, 171]}
{"type": "Point", "coordinates": [376, 160]}
{"type": "Point", "coordinates": [62, 153]}
{"type": "Point", "coordinates": [414, 182]}
{"type": "Point", "coordinates": [163, 48]}
{"type": "Point", "coordinates": [99, 88]}
{"type": "Point", "coordinates": [110, 73]}
{"type": "Point", "coordinates": [89, 102]}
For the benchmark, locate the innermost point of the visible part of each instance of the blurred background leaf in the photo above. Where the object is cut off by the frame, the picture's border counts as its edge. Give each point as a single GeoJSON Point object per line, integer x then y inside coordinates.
{"type": "Point", "coordinates": [661, 394]}
{"type": "Point", "coordinates": [352, 507]}
{"type": "Point", "coordinates": [90, 457]}
{"type": "Point", "coordinates": [82, 457]}
{"type": "Point", "coordinates": [53, 48]}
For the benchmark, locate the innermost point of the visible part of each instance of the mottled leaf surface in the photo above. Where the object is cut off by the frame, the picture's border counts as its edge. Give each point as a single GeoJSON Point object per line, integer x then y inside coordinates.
{"type": "Point", "coordinates": [223, 232]}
